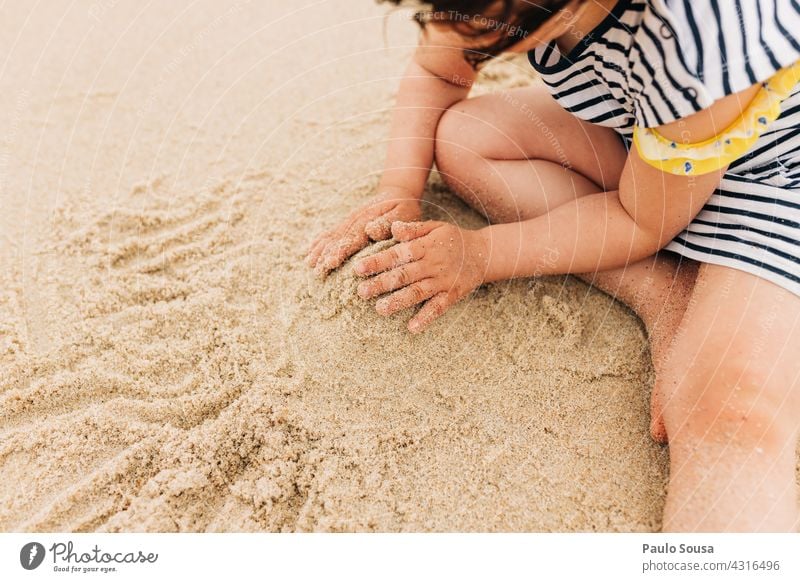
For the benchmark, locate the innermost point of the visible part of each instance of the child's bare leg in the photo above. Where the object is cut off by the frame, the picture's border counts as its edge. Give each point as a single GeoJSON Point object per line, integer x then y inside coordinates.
{"type": "Point", "coordinates": [516, 155]}
{"type": "Point", "coordinates": [658, 290]}
{"type": "Point", "coordinates": [733, 407]}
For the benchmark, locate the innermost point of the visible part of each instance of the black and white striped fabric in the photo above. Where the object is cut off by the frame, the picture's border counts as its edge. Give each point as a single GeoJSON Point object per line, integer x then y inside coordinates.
{"type": "Point", "coordinates": [652, 62]}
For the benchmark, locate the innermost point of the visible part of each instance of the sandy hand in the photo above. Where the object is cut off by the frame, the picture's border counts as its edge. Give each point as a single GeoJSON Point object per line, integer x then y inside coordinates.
{"type": "Point", "coordinates": [435, 262]}
{"type": "Point", "coordinates": [370, 222]}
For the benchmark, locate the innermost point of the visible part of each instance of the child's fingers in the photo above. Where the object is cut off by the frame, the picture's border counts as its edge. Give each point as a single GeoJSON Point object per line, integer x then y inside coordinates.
{"type": "Point", "coordinates": [319, 244]}
{"type": "Point", "coordinates": [379, 228]}
{"type": "Point", "coordinates": [373, 219]}
{"type": "Point", "coordinates": [433, 309]}
{"type": "Point", "coordinates": [410, 230]}
{"type": "Point", "coordinates": [316, 249]}
{"type": "Point", "coordinates": [399, 254]}
{"type": "Point", "coordinates": [348, 234]}
{"type": "Point", "coordinates": [323, 247]}
{"type": "Point", "coordinates": [406, 297]}
{"type": "Point", "coordinates": [352, 229]}
{"type": "Point", "coordinates": [392, 280]}
{"type": "Point", "coordinates": [337, 251]}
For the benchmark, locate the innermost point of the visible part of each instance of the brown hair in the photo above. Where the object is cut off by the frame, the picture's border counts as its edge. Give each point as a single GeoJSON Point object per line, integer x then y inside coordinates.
{"type": "Point", "coordinates": [514, 20]}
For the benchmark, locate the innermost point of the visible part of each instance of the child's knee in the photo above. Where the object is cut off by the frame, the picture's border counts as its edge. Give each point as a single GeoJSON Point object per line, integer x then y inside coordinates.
{"type": "Point", "coordinates": [737, 403]}
{"type": "Point", "coordinates": [450, 141]}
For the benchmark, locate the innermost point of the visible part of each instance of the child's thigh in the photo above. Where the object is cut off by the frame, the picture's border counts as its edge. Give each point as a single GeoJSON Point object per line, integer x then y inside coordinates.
{"type": "Point", "coordinates": [736, 359]}
{"type": "Point", "coordinates": [527, 123]}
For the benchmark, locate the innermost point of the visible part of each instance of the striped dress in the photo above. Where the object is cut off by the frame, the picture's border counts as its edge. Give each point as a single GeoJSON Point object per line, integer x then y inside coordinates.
{"type": "Point", "coordinates": [652, 62]}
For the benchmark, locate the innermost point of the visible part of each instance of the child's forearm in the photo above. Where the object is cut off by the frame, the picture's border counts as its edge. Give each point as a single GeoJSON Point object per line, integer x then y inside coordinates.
{"type": "Point", "coordinates": [592, 233]}
{"type": "Point", "coordinates": [421, 100]}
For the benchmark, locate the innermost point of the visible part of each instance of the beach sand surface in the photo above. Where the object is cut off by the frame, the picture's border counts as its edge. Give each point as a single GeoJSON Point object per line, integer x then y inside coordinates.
{"type": "Point", "coordinates": [169, 363]}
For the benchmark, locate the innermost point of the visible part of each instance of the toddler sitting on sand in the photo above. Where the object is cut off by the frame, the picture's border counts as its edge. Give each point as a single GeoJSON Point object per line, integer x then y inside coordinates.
{"type": "Point", "coordinates": [660, 162]}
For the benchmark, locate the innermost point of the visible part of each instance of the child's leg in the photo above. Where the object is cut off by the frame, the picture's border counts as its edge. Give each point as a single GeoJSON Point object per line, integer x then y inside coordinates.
{"type": "Point", "coordinates": [516, 155]}
{"type": "Point", "coordinates": [732, 406]}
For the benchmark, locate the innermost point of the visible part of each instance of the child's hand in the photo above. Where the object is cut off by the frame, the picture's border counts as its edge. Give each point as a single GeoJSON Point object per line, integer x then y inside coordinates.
{"type": "Point", "coordinates": [437, 262]}
{"type": "Point", "coordinates": [370, 222]}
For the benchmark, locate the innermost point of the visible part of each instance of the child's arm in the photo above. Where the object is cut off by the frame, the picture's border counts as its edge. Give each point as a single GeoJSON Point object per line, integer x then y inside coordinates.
{"type": "Point", "coordinates": [437, 77]}
{"type": "Point", "coordinates": [439, 263]}
{"type": "Point", "coordinates": [611, 229]}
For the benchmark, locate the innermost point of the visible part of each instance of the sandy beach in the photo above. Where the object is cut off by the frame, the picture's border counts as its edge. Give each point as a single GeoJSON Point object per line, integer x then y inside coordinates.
{"type": "Point", "coordinates": [169, 363]}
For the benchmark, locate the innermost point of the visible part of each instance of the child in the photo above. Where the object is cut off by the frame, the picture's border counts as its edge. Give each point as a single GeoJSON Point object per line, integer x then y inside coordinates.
{"type": "Point", "coordinates": [661, 124]}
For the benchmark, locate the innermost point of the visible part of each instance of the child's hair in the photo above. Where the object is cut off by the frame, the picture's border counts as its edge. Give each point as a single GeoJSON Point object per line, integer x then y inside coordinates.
{"type": "Point", "coordinates": [512, 19]}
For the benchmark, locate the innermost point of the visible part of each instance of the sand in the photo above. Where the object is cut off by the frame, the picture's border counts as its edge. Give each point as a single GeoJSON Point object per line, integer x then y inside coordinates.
{"type": "Point", "coordinates": [167, 361]}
